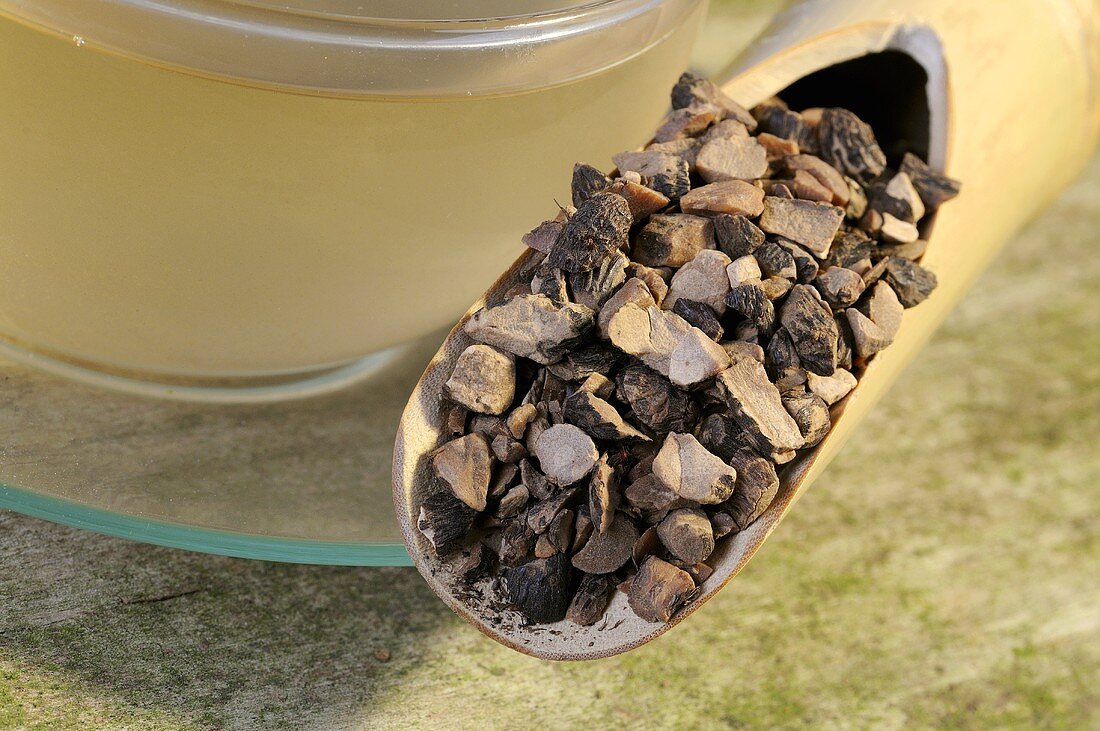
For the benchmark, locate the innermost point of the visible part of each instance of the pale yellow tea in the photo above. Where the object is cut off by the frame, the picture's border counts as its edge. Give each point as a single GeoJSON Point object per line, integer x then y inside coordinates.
{"type": "Point", "coordinates": [157, 221]}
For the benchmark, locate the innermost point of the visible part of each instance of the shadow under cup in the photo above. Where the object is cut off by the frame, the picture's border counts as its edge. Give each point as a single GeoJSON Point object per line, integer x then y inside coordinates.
{"type": "Point", "coordinates": [265, 203]}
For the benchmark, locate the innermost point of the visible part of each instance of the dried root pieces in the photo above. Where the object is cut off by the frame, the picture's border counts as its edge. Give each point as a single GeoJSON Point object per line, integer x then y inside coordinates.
{"type": "Point", "coordinates": [690, 321]}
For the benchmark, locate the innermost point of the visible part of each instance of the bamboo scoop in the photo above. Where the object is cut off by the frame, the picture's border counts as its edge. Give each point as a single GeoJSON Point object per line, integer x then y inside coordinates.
{"type": "Point", "coordinates": [1006, 102]}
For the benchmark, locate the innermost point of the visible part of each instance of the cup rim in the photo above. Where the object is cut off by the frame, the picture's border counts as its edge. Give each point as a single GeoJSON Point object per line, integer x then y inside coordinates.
{"type": "Point", "coordinates": [310, 46]}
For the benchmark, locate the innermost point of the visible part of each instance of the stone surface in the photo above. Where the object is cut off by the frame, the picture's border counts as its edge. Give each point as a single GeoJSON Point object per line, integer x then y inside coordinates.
{"type": "Point", "coordinates": [644, 162]}
{"type": "Point", "coordinates": [721, 435]}
{"type": "Point", "coordinates": [839, 287]}
{"type": "Point", "coordinates": [911, 250]}
{"type": "Point", "coordinates": [513, 502]}
{"type": "Point", "coordinates": [465, 466]}
{"type": "Point", "coordinates": [658, 590]}
{"type": "Point", "coordinates": [565, 453]}
{"type": "Point", "coordinates": [756, 406]}
{"type": "Point", "coordinates": [641, 200]}
{"type": "Point", "coordinates": [687, 535]}
{"type": "Point", "coordinates": [778, 189]}
{"type": "Point", "coordinates": [702, 279]}
{"type": "Point", "coordinates": [776, 119]}
{"type": "Point", "coordinates": [483, 380]}
{"type": "Point", "coordinates": [649, 334]}
{"type": "Point", "coordinates": [901, 189]}
{"type": "Point", "coordinates": [634, 291]}
{"type": "Point", "coordinates": [605, 552]}
{"type": "Point", "coordinates": [884, 309]}
{"type": "Point", "coordinates": [933, 187]}
{"type": "Point", "coordinates": [806, 187]}
{"type": "Point", "coordinates": [684, 122]}
{"type": "Point", "coordinates": [685, 467]}
{"type": "Point", "coordinates": [515, 541]}
{"type": "Point", "coordinates": [536, 482]}
{"type": "Point", "coordinates": [775, 287]}
{"type": "Point", "coordinates": [598, 384]}
{"type": "Point", "coordinates": [685, 147]}
{"type": "Point", "coordinates": [805, 264]}
{"type": "Point", "coordinates": [732, 158]}
{"type": "Point", "coordinates": [776, 148]}
{"type": "Point", "coordinates": [824, 173]}
{"type": "Point", "coordinates": [650, 499]}
{"type": "Point", "coordinates": [811, 414]}
{"type": "Point", "coordinates": [603, 495]}
{"type": "Point", "coordinates": [590, 601]}
{"type": "Point", "coordinates": [668, 174]}
{"type": "Point", "coordinates": [781, 352]}
{"type": "Point", "coordinates": [504, 475]}
{"type": "Point", "coordinates": [541, 515]}
{"type": "Point", "coordinates": [507, 450]}
{"type": "Point", "coordinates": [552, 282]}
{"type": "Point", "coordinates": [743, 270]}
{"type": "Point", "coordinates": [751, 302]}
{"type": "Point", "coordinates": [531, 326]}
{"type": "Point", "coordinates": [733, 197]}
{"type": "Point", "coordinates": [691, 90]}
{"type": "Point", "coordinates": [857, 200]}
{"type": "Point", "coordinates": [810, 224]}
{"type": "Point", "coordinates": [832, 388]}
{"type": "Point", "coordinates": [871, 222]}
{"type": "Point", "coordinates": [672, 240]}
{"type": "Point", "coordinates": [867, 337]}
{"type": "Point", "coordinates": [775, 261]}
{"type": "Point", "coordinates": [654, 278]}
{"type": "Point", "coordinates": [697, 358]}
{"type": "Point", "coordinates": [544, 236]}
{"type": "Point", "coordinates": [445, 521]}
{"type": "Point", "coordinates": [558, 537]}
{"type": "Point", "coordinates": [726, 129]}
{"type": "Point", "coordinates": [595, 357]}
{"type": "Point", "coordinates": [896, 231]}
{"type": "Point", "coordinates": [849, 248]}
{"type": "Point", "coordinates": [737, 348]}
{"type": "Point", "coordinates": [517, 421]}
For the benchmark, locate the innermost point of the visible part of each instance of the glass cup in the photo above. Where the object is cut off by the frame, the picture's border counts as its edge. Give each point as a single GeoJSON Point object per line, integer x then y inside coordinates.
{"type": "Point", "coordinates": [241, 193]}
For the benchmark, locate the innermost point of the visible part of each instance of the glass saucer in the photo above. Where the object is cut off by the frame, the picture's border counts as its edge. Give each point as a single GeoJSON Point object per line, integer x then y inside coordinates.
{"type": "Point", "coordinates": [303, 480]}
